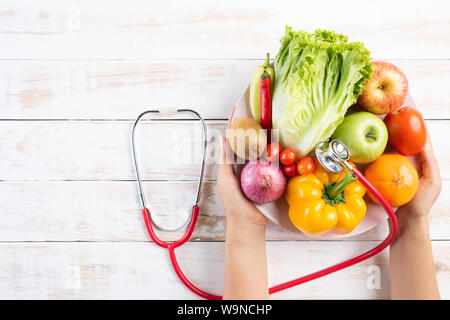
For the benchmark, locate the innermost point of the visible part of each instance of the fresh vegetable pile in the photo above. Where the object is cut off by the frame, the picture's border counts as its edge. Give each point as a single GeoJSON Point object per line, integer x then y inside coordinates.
{"type": "Point", "coordinates": [306, 96]}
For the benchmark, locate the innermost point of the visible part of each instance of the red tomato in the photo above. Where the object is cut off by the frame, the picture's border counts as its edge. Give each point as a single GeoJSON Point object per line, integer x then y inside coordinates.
{"type": "Point", "coordinates": [306, 166]}
{"type": "Point", "coordinates": [290, 170]}
{"type": "Point", "coordinates": [273, 151]}
{"type": "Point", "coordinates": [287, 156]}
{"type": "Point", "coordinates": [407, 131]}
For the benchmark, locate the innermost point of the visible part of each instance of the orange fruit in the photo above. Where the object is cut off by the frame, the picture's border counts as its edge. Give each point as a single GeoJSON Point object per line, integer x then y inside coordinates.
{"type": "Point", "coordinates": [395, 177]}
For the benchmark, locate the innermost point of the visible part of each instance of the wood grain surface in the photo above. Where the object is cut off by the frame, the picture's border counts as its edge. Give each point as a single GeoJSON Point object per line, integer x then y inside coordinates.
{"type": "Point", "coordinates": [121, 89]}
{"type": "Point", "coordinates": [110, 211]}
{"type": "Point", "coordinates": [231, 29]}
{"type": "Point", "coordinates": [100, 150]}
{"type": "Point", "coordinates": [74, 75]}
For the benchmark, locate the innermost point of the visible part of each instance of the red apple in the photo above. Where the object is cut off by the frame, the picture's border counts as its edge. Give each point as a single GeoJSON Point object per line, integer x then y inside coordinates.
{"type": "Point", "coordinates": [386, 89]}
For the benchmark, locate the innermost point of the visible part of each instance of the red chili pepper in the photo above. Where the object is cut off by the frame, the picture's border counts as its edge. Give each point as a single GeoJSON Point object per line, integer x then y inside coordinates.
{"type": "Point", "coordinates": [266, 104]}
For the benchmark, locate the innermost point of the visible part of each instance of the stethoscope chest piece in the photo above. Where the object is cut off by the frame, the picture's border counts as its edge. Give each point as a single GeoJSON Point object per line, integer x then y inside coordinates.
{"type": "Point", "coordinates": [332, 155]}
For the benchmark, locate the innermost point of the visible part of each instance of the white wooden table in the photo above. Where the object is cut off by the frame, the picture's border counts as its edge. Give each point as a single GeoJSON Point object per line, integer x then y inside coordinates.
{"type": "Point", "coordinates": [73, 76]}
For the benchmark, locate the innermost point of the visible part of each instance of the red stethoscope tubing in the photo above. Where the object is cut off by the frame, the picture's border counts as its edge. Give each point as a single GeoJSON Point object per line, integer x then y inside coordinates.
{"type": "Point", "coordinates": [172, 245]}
{"type": "Point", "coordinates": [171, 248]}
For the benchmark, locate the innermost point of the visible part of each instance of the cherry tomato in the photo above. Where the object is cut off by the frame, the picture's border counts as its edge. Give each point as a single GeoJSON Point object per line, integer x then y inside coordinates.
{"type": "Point", "coordinates": [290, 170]}
{"type": "Point", "coordinates": [273, 151]}
{"type": "Point", "coordinates": [306, 166]}
{"type": "Point", "coordinates": [287, 156]}
{"type": "Point", "coordinates": [407, 131]}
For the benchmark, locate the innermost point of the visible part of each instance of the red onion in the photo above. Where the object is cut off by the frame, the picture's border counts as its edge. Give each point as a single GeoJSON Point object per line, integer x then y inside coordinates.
{"type": "Point", "coordinates": [262, 182]}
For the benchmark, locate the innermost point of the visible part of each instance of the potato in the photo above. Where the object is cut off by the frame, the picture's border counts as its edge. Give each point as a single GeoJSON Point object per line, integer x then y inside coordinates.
{"type": "Point", "coordinates": [246, 138]}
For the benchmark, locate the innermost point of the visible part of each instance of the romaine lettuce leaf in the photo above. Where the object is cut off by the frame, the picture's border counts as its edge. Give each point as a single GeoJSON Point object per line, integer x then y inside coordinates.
{"type": "Point", "coordinates": [318, 77]}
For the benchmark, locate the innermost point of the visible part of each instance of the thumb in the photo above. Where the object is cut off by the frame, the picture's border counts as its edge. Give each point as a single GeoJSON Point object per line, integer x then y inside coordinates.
{"type": "Point", "coordinates": [225, 166]}
{"type": "Point", "coordinates": [430, 166]}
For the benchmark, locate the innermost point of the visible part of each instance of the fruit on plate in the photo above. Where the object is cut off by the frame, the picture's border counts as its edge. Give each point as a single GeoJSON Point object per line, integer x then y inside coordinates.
{"type": "Point", "coordinates": [273, 152]}
{"type": "Point", "coordinates": [246, 138]}
{"type": "Point", "coordinates": [364, 134]}
{"type": "Point", "coordinates": [262, 182]}
{"type": "Point", "coordinates": [407, 131]}
{"type": "Point", "coordinates": [266, 103]}
{"type": "Point", "coordinates": [386, 90]}
{"type": "Point", "coordinates": [255, 86]}
{"type": "Point", "coordinates": [395, 177]}
{"type": "Point", "coordinates": [321, 201]}
{"type": "Point", "coordinates": [290, 170]}
{"type": "Point", "coordinates": [288, 156]}
{"type": "Point", "coordinates": [305, 165]}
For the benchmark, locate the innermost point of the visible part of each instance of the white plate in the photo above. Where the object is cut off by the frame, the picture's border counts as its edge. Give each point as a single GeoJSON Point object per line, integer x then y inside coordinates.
{"type": "Point", "coordinates": [277, 212]}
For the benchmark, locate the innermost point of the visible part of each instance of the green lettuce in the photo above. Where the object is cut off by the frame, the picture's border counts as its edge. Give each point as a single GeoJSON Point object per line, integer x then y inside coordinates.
{"type": "Point", "coordinates": [318, 76]}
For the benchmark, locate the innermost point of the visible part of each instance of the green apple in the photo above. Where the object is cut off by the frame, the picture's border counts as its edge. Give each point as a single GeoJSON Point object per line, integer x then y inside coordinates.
{"type": "Point", "coordinates": [364, 134]}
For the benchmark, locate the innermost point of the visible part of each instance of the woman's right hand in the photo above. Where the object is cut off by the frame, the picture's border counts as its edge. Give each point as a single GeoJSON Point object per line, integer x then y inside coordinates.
{"type": "Point", "coordinates": [412, 270]}
{"type": "Point", "coordinates": [429, 186]}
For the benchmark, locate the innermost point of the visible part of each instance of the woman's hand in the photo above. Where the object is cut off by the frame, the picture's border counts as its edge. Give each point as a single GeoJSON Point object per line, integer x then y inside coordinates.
{"type": "Point", "coordinates": [412, 271]}
{"type": "Point", "coordinates": [238, 209]}
{"type": "Point", "coordinates": [245, 246]}
{"type": "Point", "coordinates": [429, 186]}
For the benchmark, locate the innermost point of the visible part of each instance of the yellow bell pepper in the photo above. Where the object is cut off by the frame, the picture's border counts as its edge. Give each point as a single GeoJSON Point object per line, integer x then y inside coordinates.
{"type": "Point", "coordinates": [322, 201]}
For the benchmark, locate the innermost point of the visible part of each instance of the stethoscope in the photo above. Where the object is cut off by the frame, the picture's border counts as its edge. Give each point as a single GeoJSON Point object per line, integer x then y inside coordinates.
{"type": "Point", "coordinates": [333, 156]}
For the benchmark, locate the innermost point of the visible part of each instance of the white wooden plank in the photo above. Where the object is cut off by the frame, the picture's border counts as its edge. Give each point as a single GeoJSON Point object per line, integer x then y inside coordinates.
{"type": "Point", "coordinates": [110, 211]}
{"type": "Point", "coordinates": [121, 89]}
{"type": "Point", "coordinates": [88, 150]}
{"type": "Point", "coordinates": [213, 29]}
{"type": "Point", "coordinates": [91, 150]}
{"type": "Point", "coordinates": [143, 271]}
{"type": "Point", "coordinates": [427, 86]}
